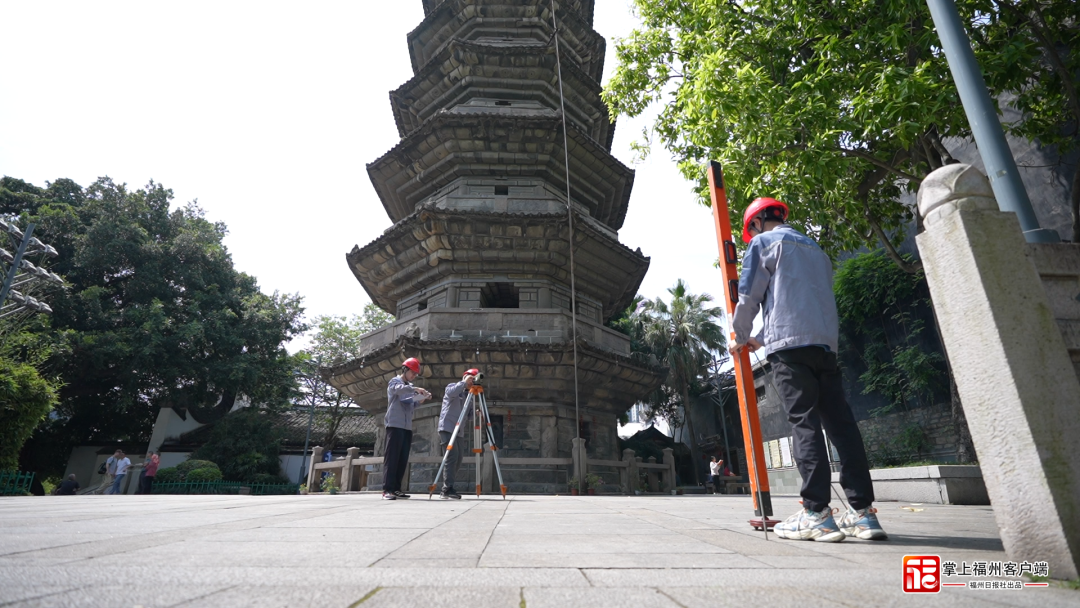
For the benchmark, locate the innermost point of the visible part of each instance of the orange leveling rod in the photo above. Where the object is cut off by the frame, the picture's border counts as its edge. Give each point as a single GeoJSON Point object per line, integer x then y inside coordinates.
{"type": "Point", "coordinates": [744, 372]}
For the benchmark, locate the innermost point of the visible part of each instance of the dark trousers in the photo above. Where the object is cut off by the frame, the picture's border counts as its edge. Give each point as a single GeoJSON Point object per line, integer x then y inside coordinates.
{"type": "Point", "coordinates": [398, 443]}
{"type": "Point", "coordinates": [146, 484]}
{"type": "Point", "coordinates": [811, 389]}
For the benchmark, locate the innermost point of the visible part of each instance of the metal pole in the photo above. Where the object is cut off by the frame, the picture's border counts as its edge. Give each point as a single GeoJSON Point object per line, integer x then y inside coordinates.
{"type": "Point", "coordinates": [723, 417]}
{"type": "Point", "coordinates": [10, 278]}
{"type": "Point", "coordinates": [985, 126]}
{"type": "Point", "coordinates": [307, 440]}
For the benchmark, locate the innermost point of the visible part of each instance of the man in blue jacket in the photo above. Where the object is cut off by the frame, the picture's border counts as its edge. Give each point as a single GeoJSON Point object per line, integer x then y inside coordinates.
{"type": "Point", "coordinates": [402, 400]}
{"type": "Point", "coordinates": [790, 278]}
{"type": "Point", "coordinates": [453, 400]}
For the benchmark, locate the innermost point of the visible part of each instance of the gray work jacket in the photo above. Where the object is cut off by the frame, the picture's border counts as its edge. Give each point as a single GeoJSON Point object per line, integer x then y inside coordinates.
{"type": "Point", "coordinates": [452, 402]}
{"type": "Point", "coordinates": [787, 274]}
{"type": "Point", "coordinates": [401, 403]}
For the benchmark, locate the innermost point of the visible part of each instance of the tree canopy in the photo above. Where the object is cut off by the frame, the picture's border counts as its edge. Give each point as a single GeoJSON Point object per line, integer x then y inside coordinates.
{"type": "Point", "coordinates": [153, 314]}
{"type": "Point", "coordinates": [837, 107]}
{"type": "Point", "coordinates": [336, 340]}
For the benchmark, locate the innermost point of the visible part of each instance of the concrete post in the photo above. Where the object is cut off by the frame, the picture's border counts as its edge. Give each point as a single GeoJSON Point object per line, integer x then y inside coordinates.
{"type": "Point", "coordinates": [316, 456]}
{"type": "Point", "coordinates": [669, 475]}
{"type": "Point", "coordinates": [347, 473]}
{"type": "Point", "coordinates": [631, 471]}
{"type": "Point", "coordinates": [1013, 372]}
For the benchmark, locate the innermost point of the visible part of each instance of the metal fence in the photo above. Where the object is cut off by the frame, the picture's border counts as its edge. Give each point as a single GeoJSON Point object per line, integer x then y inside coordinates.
{"type": "Point", "coordinates": [15, 483]}
{"type": "Point", "coordinates": [224, 487]}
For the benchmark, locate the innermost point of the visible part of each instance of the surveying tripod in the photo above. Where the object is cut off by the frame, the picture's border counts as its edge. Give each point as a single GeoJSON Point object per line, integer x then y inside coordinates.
{"type": "Point", "coordinates": [481, 417]}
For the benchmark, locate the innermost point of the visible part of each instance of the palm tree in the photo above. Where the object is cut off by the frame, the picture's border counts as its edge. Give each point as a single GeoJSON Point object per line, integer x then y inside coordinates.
{"type": "Point", "coordinates": [683, 336]}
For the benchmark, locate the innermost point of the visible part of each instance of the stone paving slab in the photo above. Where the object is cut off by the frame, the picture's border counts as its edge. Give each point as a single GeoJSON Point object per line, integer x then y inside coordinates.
{"type": "Point", "coordinates": [533, 551]}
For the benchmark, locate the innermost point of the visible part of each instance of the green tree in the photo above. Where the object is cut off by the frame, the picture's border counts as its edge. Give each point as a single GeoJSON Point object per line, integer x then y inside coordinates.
{"type": "Point", "coordinates": [244, 444]}
{"type": "Point", "coordinates": [337, 340]}
{"type": "Point", "coordinates": [683, 335]}
{"type": "Point", "coordinates": [837, 108]}
{"type": "Point", "coordinates": [26, 397]}
{"type": "Point", "coordinates": [154, 314]}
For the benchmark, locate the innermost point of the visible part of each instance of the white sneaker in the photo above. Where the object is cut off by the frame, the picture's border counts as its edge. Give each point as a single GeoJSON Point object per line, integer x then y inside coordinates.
{"type": "Point", "coordinates": [862, 524]}
{"type": "Point", "coordinates": [808, 525]}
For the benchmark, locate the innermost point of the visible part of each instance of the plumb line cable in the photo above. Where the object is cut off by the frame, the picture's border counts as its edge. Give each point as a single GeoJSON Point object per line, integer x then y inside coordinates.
{"type": "Point", "coordinates": [570, 219]}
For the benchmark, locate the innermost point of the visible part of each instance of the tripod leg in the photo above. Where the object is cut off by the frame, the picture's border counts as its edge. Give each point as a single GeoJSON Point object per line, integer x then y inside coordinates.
{"type": "Point", "coordinates": [449, 447]}
{"type": "Point", "coordinates": [478, 442]}
{"type": "Point", "coordinates": [494, 449]}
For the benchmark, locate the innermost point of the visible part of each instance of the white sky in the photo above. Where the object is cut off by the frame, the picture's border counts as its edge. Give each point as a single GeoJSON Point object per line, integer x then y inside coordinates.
{"type": "Point", "coordinates": [267, 113]}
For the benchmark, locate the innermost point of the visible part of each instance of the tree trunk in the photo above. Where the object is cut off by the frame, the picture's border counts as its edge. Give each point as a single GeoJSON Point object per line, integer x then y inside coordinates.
{"type": "Point", "coordinates": [687, 408]}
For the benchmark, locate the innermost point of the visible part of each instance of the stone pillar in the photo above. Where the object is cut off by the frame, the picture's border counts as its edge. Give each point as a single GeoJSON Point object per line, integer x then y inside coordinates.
{"type": "Point", "coordinates": [347, 473]}
{"type": "Point", "coordinates": [631, 471]}
{"type": "Point", "coordinates": [543, 297]}
{"type": "Point", "coordinates": [580, 466]}
{"type": "Point", "coordinates": [316, 456]}
{"type": "Point", "coordinates": [669, 475]}
{"type": "Point", "coordinates": [1015, 379]}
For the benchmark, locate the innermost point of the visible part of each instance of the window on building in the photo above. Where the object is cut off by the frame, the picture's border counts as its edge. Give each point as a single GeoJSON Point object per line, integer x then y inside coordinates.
{"type": "Point", "coordinates": [502, 190]}
{"type": "Point", "coordinates": [422, 306]}
{"type": "Point", "coordinates": [500, 295]}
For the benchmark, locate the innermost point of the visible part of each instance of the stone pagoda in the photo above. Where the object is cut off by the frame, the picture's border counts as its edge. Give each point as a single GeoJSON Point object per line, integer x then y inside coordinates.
{"type": "Point", "coordinates": [477, 264]}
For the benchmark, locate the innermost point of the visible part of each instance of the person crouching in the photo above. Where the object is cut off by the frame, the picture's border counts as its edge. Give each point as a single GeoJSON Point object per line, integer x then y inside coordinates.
{"type": "Point", "coordinates": [453, 400]}
{"type": "Point", "coordinates": [402, 400]}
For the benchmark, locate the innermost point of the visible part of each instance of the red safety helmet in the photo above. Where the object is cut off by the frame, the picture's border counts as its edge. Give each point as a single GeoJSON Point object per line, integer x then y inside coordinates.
{"type": "Point", "coordinates": [412, 364]}
{"type": "Point", "coordinates": [471, 372]}
{"type": "Point", "coordinates": [759, 205]}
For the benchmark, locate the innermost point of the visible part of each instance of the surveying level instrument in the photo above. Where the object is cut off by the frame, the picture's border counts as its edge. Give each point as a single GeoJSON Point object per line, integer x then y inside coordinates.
{"type": "Point", "coordinates": [476, 403]}
{"type": "Point", "coordinates": [744, 371]}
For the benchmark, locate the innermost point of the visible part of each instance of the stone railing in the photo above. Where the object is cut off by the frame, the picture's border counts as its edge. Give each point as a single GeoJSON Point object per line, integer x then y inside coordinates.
{"type": "Point", "coordinates": [352, 471]}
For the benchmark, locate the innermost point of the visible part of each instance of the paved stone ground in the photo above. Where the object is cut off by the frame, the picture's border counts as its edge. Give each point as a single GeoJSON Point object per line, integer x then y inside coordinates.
{"type": "Point", "coordinates": [528, 551]}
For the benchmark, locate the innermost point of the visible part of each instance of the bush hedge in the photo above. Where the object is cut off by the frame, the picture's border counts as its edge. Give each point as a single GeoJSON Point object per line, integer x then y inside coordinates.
{"type": "Point", "coordinates": [190, 465]}
{"type": "Point", "coordinates": [168, 475]}
{"type": "Point", "coordinates": [204, 474]}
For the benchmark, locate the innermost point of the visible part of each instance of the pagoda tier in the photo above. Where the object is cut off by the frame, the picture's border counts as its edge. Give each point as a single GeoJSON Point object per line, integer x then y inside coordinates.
{"type": "Point", "coordinates": [516, 371]}
{"type": "Point", "coordinates": [415, 260]}
{"type": "Point", "coordinates": [517, 20]}
{"type": "Point", "coordinates": [496, 141]}
{"type": "Point", "coordinates": [507, 71]}
{"type": "Point", "coordinates": [581, 7]}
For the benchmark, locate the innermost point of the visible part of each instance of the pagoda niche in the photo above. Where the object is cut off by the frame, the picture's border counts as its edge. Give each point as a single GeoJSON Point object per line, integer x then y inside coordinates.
{"type": "Point", "coordinates": [477, 264]}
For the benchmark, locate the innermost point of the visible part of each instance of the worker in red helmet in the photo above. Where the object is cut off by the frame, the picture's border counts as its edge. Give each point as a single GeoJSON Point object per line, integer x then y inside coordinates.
{"type": "Point", "coordinates": [789, 277]}
{"type": "Point", "coordinates": [453, 401]}
{"type": "Point", "coordinates": [402, 400]}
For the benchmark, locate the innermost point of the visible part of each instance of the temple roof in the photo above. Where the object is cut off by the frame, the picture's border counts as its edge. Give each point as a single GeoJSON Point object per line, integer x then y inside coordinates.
{"type": "Point", "coordinates": [432, 244]}
{"type": "Point", "coordinates": [507, 72]}
{"type": "Point", "coordinates": [501, 143]}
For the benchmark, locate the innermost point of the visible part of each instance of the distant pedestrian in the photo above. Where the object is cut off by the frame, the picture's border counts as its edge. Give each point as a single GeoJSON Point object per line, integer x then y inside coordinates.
{"type": "Point", "coordinates": [68, 487]}
{"type": "Point", "coordinates": [146, 480]}
{"type": "Point", "coordinates": [108, 471]}
{"type": "Point", "coordinates": [123, 463]}
{"type": "Point", "coordinates": [714, 473]}
{"type": "Point", "coordinates": [453, 401]}
{"type": "Point", "coordinates": [402, 400]}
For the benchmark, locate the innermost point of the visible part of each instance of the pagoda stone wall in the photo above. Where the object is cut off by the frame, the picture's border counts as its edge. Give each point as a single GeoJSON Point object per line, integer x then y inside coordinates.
{"type": "Point", "coordinates": [477, 265]}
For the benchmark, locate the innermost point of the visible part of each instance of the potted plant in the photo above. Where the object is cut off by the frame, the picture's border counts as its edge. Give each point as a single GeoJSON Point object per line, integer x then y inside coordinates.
{"type": "Point", "coordinates": [593, 482]}
{"type": "Point", "coordinates": [330, 484]}
{"type": "Point", "coordinates": [574, 486]}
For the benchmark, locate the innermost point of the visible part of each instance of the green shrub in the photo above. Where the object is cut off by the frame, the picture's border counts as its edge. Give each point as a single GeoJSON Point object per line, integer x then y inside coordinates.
{"type": "Point", "coordinates": [206, 474]}
{"type": "Point", "coordinates": [169, 475]}
{"type": "Point", "coordinates": [190, 465]}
